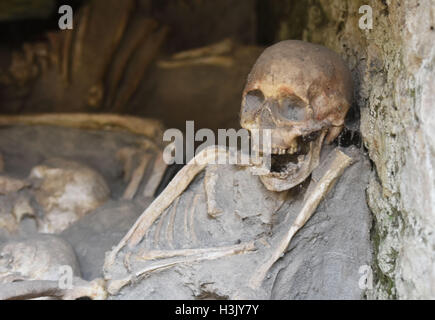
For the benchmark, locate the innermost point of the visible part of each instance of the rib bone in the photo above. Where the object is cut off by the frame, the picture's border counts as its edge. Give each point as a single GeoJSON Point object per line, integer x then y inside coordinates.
{"type": "Point", "coordinates": [175, 257]}
{"type": "Point", "coordinates": [200, 254]}
{"type": "Point", "coordinates": [178, 184]}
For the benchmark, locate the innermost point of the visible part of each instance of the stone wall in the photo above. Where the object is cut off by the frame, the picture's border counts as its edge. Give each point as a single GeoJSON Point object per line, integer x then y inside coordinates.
{"type": "Point", "coordinates": [393, 68]}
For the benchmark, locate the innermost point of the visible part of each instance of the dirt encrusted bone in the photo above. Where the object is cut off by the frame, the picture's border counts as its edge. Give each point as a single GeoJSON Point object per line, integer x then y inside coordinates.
{"type": "Point", "coordinates": [161, 267]}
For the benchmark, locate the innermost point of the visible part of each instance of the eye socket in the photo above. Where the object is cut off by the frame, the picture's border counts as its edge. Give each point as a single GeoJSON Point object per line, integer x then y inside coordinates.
{"type": "Point", "coordinates": [254, 100]}
{"type": "Point", "coordinates": [293, 108]}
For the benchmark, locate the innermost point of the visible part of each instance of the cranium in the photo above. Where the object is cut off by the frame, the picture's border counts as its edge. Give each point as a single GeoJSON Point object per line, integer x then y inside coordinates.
{"type": "Point", "coordinates": [37, 266]}
{"type": "Point", "coordinates": [67, 191]}
{"type": "Point", "coordinates": [302, 92]}
{"type": "Point", "coordinates": [36, 258]}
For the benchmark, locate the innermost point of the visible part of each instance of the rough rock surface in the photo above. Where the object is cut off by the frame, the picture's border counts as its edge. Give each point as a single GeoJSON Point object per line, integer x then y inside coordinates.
{"type": "Point", "coordinates": [393, 68]}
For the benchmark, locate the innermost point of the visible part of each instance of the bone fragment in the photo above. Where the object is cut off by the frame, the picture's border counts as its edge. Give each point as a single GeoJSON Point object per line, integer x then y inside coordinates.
{"type": "Point", "coordinates": [31, 289]}
{"type": "Point", "coordinates": [149, 128]}
{"type": "Point", "coordinates": [186, 216]}
{"type": "Point", "coordinates": [141, 61]}
{"type": "Point", "coordinates": [192, 234]}
{"type": "Point", "coordinates": [82, 28]}
{"type": "Point", "coordinates": [171, 222]}
{"type": "Point", "coordinates": [134, 39]}
{"type": "Point", "coordinates": [314, 196]}
{"type": "Point", "coordinates": [156, 176]}
{"type": "Point", "coordinates": [208, 55]}
{"type": "Point", "coordinates": [203, 253]}
{"type": "Point", "coordinates": [210, 182]}
{"type": "Point", "coordinates": [23, 208]}
{"type": "Point", "coordinates": [333, 133]}
{"type": "Point", "coordinates": [136, 178]}
{"type": "Point", "coordinates": [11, 185]}
{"type": "Point", "coordinates": [222, 47]}
{"type": "Point", "coordinates": [97, 91]}
{"type": "Point", "coordinates": [178, 257]}
{"type": "Point", "coordinates": [212, 60]}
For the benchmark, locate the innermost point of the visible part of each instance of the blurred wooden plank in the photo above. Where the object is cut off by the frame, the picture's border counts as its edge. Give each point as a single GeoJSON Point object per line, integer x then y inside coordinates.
{"type": "Point", "coordinates": [11, 10]}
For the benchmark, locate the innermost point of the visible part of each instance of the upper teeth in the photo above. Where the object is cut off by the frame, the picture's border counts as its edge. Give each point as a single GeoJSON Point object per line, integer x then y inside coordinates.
{"type": "Point", "coordinates": [278, 151]}
{"type": "Point", "coordinates": [290, 150]}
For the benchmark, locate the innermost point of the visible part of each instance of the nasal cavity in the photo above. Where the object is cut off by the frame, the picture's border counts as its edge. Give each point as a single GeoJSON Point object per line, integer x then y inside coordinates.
{"type": "Point", "coordinates": [266, 118]}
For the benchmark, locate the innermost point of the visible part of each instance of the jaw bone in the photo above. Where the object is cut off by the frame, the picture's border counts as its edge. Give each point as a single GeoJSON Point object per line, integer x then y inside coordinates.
{"type": "Point", "coordinates": [297, 173]}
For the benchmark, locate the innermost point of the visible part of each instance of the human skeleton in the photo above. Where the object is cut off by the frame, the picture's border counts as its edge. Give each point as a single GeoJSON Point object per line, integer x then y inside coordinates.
{"type": "Point", "coordinates": [301, 92]}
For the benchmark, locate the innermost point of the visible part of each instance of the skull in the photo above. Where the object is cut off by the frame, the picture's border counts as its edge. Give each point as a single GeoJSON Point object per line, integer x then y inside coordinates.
{"type": "Point", "coordinates": [39, 257]}
{"type": "Point", "coordinates": [66, 190]}
{"type": "Point", "coordinates": [302, 91]}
